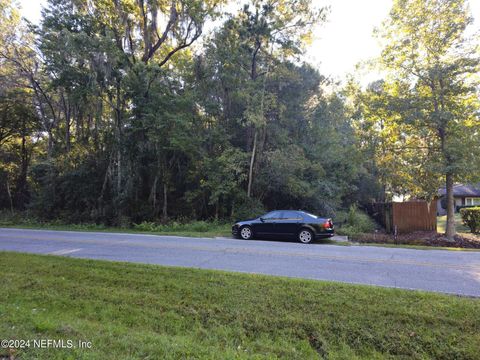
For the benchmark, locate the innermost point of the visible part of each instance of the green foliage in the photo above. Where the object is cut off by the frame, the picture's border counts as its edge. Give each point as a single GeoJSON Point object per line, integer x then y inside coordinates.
{"type": "Point", "coordinates": [111, 119]}
{"type": "Point", "coordinates": [29, 220]}
{"type": "Point", "coordinates": [353, 222]}
{"type": "Point", "coordinates": [67, 192]}
{"type": "Point", "coordinates": [180, 228]}
{"type": "Point", "coordinates": [247, 208]}
{"type": "Point", "coordinates": [194, 226]}
{"type": "Point", "coordinates": [471, 218]}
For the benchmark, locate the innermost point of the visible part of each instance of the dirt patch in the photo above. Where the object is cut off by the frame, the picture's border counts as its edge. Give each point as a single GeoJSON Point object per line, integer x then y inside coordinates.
{"type": "Point", "coordinates": [426, 238]}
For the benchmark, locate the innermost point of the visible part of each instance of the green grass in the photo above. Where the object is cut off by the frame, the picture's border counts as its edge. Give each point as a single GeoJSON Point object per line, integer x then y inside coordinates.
{"type": "Point", "coordinates": [442, 223]}
{"type": "Point", "coordinates": [192, 229]}
{"type": "Point", "coordinates": [133, 311]}
{"type": "Point", "coordinates": [222, 230]}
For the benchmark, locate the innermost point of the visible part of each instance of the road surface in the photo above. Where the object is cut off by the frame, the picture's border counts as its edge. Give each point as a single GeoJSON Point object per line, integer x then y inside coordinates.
{"type": "Point", "coordinates": [456, 272]}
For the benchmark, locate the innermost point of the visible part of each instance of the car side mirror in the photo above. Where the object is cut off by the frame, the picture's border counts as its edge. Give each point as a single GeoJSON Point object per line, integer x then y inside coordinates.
{"type": "Point", "coordinates": [262, 219]}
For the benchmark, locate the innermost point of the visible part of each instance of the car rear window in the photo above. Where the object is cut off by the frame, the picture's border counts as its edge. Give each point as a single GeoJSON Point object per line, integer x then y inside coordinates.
{"type": "Point", "coordinates": [310, 215]}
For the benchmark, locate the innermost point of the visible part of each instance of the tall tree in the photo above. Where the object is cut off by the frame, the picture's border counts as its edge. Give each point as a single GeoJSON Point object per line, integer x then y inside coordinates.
{"type": "Point", "coordinates": [427, 50]}
{"type": "Point", "coordinates": [255, 41]}
{"type": "Point", "coordinates": [18, 120]}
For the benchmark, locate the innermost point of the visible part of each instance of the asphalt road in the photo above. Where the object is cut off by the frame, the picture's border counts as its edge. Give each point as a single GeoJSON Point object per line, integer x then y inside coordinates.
{"type": "Point", "coordinates": [456, 272]}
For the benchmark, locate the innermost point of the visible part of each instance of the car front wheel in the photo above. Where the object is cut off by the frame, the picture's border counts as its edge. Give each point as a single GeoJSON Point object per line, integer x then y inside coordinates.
{"type": "Point", "coordinates": [246, 233]}
{"type": "Point", "coordinates": [305, 236]}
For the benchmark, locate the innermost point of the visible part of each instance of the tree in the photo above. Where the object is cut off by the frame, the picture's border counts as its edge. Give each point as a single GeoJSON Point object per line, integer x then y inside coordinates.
{"type": "Point", "coordinates": [106, 64]}
{"type": "Point", "coordinates": [430, 59]}
{"type": "Point", "coordinates": [263, 34]}
{"type": "Point", "coordinates": [18, 121]}
{"type": "Point", "coordinates": [111, 116]}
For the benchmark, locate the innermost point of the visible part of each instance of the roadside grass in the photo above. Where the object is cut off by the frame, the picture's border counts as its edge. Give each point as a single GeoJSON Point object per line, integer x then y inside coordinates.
{"type": "Point", "coordinates": [221, 230]}
{"type": "Point", "coordinates": [191, 229]}
{"type": "Point", "coordinates": [132, 311]}
{"type": "Point", "coordinates": [442, 224]}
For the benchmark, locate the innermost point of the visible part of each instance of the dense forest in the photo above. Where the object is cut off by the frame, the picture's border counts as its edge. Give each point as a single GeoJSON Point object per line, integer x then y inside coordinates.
{"type": "Point", "coordinates": [121, 111]}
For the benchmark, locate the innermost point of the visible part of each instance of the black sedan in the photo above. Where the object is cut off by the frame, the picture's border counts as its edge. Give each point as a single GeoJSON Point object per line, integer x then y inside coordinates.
{"type": "Point", "coordinates": [285, 223]}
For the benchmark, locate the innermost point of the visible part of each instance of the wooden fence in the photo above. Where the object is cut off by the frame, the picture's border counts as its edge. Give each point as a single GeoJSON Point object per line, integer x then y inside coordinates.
{"type": "Point", "coordinates": [405, 217]}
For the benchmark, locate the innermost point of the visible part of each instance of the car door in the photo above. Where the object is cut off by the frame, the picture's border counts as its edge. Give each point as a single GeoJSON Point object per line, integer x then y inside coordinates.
{"type": "Point", "coordinates": [266, 226]}
{"type": "Point", "coordinates": [289, 223]}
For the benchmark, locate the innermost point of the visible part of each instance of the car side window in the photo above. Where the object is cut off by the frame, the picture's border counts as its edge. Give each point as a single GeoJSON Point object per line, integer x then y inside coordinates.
{"type": "Point", "coordinates": [272, 215]}
{"type": "Point", "coordinates": [291, 215]}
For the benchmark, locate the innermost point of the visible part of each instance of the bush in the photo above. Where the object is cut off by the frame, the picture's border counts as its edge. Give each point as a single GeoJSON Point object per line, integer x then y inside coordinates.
{"type": "Point", "coordinates": [27, 219]}
{"type": "Point", "coordinates": [18, 218]}
{"type": "Point", "coordinates": [471, 218]}
{"type": "Point", "coordinates": [248, 208]}
{"type": "Point", "coordinates": [353, 222]}
{"type": "Point", "coordinates": [146, 226]}
{"type": "Point", "coordinates": [174, 226]}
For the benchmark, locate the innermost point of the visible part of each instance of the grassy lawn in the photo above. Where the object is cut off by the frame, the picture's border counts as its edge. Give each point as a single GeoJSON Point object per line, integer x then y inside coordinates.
{"type": "Point", "coordinates": [132, 311]}
{"type": "Point", "coordinates": [442, 223]}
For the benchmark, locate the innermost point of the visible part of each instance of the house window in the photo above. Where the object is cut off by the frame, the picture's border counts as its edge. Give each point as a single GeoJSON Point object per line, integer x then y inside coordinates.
{"type": "Point", "coordinates": [472, 201]}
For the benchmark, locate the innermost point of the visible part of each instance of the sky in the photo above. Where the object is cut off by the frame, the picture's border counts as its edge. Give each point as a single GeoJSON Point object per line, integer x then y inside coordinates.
{"type": "Point", "coordinates": [345, 40]}
{"type": "Point", "coordinates": [347, 36]}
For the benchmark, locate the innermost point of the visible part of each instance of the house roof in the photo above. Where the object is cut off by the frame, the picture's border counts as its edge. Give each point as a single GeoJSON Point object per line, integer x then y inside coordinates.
{"type": "Point", "coordinates": [463, 190]}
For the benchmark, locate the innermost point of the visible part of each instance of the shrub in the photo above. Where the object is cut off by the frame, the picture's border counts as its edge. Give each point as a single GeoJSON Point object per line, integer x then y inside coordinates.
{"type": "Point", "coordinates": [18, 218]}
{"type": "Point", "coordinates": [354, 222]}
{"type": "Point", "coordinates": [199, 226]}
{"type": "Point", "coordinates": [248, 208]}
{"type": "Point", "coordinates": [471, 218]}
{"type": "Point", "coordinates": [174, 226]}
{"type": "Point", "coordinates": [146, 226]}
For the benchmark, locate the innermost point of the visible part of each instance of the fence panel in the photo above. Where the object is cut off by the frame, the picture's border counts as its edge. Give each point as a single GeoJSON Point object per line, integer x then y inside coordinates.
{"type": "Point", "coordinates": [414, 216]}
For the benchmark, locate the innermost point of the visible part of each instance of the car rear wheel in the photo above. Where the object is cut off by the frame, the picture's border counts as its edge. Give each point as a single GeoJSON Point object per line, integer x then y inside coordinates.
{"type": "Point", "coordinates": [305, 236]}
{"type": "Point", "coordinates": [246, 233]}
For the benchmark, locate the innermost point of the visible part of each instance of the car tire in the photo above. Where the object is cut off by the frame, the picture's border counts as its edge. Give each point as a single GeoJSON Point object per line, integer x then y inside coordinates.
{"type": "Point", "coordinates": [305, 236]}
{"type": "Point", "coordinates": [246, 233]}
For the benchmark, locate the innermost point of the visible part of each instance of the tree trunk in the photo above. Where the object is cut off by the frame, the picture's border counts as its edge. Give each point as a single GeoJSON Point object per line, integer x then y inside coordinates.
{"type": "Point", "coordinates": [254, 149]}
{"type": "Point", "coordinates": [119, 170]}
{"type": "Point", "coordinates": [164, 212]}
{"type": "Point", "coordinates": [262, 137]}
{"type": "Point", "coordinates": [10, 197]}
{"type": "Point", "coordinates": [67, 113]}
{"type": "Point", "coordinates": [67, 131]}
{"type": "Point", "coordinates": [50, 144]}
{"type": "Point", "coordinates": [118, 134]}
{"type": "Point", "coordinates": [154, 196]}
{"type": "Point", "coordinates": [252, 162]}
{"type": "Point", "coordinates": [439, 108]}
{"type": "Point", "coordinates": [21, 194]}
{"type": "Point", "coordinates": [450, 229]}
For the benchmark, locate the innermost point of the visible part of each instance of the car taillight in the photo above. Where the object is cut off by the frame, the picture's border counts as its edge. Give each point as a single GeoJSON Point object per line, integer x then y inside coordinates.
{"type": "Point", "coordinates": [328, 224]}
